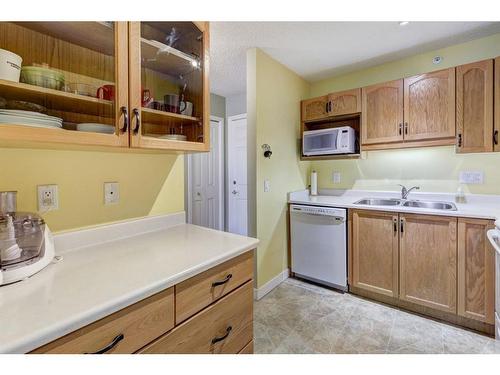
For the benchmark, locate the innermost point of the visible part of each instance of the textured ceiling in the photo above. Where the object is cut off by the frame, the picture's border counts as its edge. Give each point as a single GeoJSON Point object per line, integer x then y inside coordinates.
{"type": "Point", "coordinates": [317, 50]}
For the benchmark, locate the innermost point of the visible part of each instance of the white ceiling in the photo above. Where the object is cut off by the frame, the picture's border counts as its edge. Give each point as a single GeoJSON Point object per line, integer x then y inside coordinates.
{"type": "Point", "coordinates": [317, 50]}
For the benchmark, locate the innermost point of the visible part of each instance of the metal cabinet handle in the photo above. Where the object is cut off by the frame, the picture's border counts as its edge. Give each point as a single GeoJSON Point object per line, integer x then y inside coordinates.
{"type": "Point", "coordinates": [495, 137]}
{"type": "Point", "coordinates": [459, 140]}
{"type": "Point", "coordinates": [400, 128]}
{"type": "Point", "coordinates": [110, 346]}
{"type": "Point", "coordinates": [331, 104]}
{"type": "Point", "coordinates": [137, 120]}
{"type": "Point", "coordinates": [217, 283]}
{"type": "Point", "coordinates": [395, 222]}
{"type": "Point", "coordinates": [217, 339]}
{"type": "Point", "coordinates": [125, 119]}
{"type": "Point", "coordinates": [326, 107]}
{"type": "Point", "coordinates": [402, 226]}
{"type": "Point", "coordinates": [406, 128]}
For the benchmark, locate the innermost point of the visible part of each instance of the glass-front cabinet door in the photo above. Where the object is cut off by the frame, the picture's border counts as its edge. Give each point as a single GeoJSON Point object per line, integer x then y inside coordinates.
{"type": "Point", "coordinates": [168, 85]}
{"type": "Point", "coordinates": [64, 82]}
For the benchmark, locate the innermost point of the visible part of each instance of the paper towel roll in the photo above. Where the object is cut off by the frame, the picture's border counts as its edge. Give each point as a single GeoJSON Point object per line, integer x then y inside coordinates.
{"type": "Point", "coordinates": [314, 183]}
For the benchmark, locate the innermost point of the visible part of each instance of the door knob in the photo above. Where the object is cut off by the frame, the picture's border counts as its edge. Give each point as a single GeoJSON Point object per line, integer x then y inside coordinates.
{"type": "Point", "coordinates": [234, 192]}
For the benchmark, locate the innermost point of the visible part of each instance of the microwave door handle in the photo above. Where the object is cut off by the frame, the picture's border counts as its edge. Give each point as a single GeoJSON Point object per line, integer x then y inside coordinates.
{"type": "Point", "coordinates": [339, 139]}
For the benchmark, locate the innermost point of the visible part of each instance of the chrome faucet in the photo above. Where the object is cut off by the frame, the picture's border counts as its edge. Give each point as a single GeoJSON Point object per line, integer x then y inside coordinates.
{"type": "Point", "coordinates": [405, 191]}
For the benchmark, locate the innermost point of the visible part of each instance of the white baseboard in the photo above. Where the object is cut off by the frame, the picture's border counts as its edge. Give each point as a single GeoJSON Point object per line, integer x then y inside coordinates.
{"type": "Point", "coordinates": [271, 284]}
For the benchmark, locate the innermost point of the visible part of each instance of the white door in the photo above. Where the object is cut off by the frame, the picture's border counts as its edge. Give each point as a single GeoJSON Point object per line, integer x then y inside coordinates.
{"type": "Point", "coordinates": [205, 181]}
{"type": "Point", "coordinates": [237, 174]}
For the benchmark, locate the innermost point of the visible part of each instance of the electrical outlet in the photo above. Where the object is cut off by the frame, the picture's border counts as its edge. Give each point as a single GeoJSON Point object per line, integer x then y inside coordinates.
{"type": "Point", "coordinates": [48, 197]}
{"type": "Point", "coordinates": [471, 177]}
{"type": "Point", "coordinates": [111, 192]}
{"type": "Point", "coordinates": [336, 177]}
{"type": "Point", "coordinates": [267, 186]}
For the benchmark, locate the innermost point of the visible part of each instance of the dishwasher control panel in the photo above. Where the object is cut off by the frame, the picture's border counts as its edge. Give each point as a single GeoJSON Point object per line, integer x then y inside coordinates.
{"type": "Point", "coordinates": [317, 210]}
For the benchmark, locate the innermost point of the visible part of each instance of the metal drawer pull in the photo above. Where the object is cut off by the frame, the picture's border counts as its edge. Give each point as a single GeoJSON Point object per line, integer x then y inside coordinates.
{"type": "Point", "coordinates": [111, 345]}
{"type": "Point", "coordinates": [217, 283]}
{"type": "Point", "coordinates": [217, 339]}
{"type": "Point", "coordinates": [495, 137]}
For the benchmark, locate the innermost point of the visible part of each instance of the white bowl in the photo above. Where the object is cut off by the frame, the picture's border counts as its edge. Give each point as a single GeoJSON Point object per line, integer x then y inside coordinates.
{"type": "Point", "coordinates": [10, 65]}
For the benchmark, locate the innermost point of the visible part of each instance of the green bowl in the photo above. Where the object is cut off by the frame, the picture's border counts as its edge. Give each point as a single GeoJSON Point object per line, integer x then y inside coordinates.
{"type": "Point", "coordinates": [44, 77]}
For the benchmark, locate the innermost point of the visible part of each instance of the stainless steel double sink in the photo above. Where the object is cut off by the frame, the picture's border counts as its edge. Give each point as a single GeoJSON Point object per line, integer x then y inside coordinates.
{"type": "Point", "coordinates": [448, 206]}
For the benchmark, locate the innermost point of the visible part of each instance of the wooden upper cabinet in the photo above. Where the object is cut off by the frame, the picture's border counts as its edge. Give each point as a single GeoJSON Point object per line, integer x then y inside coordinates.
{"type": "Point", "coordinates": [375, 262]}
{"type": "Point", "coordinates": [496, 132]}
{"type": "Point", "coordinates": [474, 107]}
{"type": "Point", "coordinates": [429, 106]}
{"type": "Point", "coordinates": [428, 261]}
{"type": "Point", "coordinates": [382, 115]}
{"type": "Point", "coordinates": [315, 108]}
{"type": "Point", "coordinates": [344, 102]}
{"type": "Point", "coordinates": [169, 92]}
{"type": "Point", "coordinates": [75, 72]}
{"type": "Point", "coordinates": [476, 271]}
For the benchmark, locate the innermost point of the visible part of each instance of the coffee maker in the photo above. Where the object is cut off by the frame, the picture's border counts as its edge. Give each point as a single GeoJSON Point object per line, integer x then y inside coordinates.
{"type": "Point", "coordinates": [26, 243]}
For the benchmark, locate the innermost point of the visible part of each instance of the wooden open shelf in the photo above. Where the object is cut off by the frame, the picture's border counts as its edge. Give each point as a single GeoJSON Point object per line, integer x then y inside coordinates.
{"type": "Point", "coordinates": [54, 99]}
{"type": "Point", "coordinates": [155, 116]}
{"type": "Point", "coordinates": [171, 61]}
{"type": "Point", "coordinates": [97, 36]}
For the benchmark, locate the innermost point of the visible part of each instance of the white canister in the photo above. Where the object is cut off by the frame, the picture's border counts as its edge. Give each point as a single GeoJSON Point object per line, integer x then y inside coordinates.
{"type": "Point", "coordinates": [10, 65]}
{"type": "Point", "coordinates": [314, 183]}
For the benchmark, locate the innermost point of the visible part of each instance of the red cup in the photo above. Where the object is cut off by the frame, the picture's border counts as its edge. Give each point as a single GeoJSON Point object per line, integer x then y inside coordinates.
{"type": "Point", "coordinates": [106, 92]}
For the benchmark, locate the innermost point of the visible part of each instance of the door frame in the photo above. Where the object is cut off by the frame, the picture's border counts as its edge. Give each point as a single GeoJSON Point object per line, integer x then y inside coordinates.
{"type": "Point", "coordinates": [220, 165]}
{"type": "Point", "coordinates": [228, 180]}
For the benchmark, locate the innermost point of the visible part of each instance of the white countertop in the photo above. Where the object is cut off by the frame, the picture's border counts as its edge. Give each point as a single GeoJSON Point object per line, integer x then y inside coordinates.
{"type": "Point", "coordinates": [92, 282]}
{"type": "Point", "coordinates": [477, 206]}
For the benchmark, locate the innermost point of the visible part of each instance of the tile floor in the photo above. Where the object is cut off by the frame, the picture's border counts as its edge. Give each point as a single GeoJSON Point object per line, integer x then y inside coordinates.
{"type": "Point", "coordinates": [297, 317]}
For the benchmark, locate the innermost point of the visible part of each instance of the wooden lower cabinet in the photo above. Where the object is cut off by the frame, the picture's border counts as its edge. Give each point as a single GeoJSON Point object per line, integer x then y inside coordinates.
{"type": "Point", "coordinates": [247, 349]}
{"type": "Point", "coordinates": [444, 266]}
{"type": "Point", "coordinates": [225, 327]}
{"type": "Point", "coordinates": [428, 261]}
{"type": "Point", "coordinates": [200, 291]}
{"type": "Point", "coordinates": [123, 332]}
{"type": "Point", "coordinates": [224, 324]}
{"type": "Point", "coordinates": [476, 271]}
{"type": "Point", "coordinates": [375, 252]}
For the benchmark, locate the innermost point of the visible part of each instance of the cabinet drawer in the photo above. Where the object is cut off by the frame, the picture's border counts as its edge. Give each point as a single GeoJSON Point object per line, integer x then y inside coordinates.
{"type": "Point", "coordinates": [196, 293]}
{"type": "Point", "coordinates": [128, 329]}
{"type": "Point", "coordinates": [225, 327]}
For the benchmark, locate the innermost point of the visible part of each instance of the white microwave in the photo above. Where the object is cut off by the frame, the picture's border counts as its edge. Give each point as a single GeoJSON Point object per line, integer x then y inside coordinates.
{"type": "Point", "coordinates": [329, 141]}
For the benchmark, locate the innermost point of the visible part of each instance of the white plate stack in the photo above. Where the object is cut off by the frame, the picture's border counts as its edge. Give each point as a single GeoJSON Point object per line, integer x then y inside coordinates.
{"type": "Point", "coordinates": [29, 118]}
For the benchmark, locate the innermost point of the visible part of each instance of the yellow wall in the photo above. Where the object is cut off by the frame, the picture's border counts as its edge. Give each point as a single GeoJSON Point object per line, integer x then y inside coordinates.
{"type": "Point", "coordinates": [273, 113]}
{"type": "Point", "coordinates": [150, 184]}
{"type": "Point", "coordinates": [434, 169]}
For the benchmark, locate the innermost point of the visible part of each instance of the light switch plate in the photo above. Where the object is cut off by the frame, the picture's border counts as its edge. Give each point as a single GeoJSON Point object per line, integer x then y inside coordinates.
{"type": "Point", "coordinates": [267, 186]}
{"type": "Point", "coordinates": [111, 192]}
{"type": "Point", "coordinates": [471, 177]}
{"type": "Point", "coordinates": [336, 177]}
{"type": "Point", "coordinates": [48, 197]}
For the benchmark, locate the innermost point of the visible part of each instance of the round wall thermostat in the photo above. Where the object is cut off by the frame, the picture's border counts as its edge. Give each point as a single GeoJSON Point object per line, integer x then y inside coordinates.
{"type": "Point", "coordinates": [437, 60]}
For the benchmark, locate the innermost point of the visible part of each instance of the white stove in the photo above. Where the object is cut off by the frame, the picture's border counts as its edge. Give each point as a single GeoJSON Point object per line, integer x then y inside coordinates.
{"type": "Point", "coordinates": [494, 237]}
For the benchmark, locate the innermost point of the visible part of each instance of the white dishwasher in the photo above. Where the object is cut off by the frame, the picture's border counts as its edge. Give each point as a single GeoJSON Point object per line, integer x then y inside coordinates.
{"type": "Point", "coordinates": [319, 244]}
